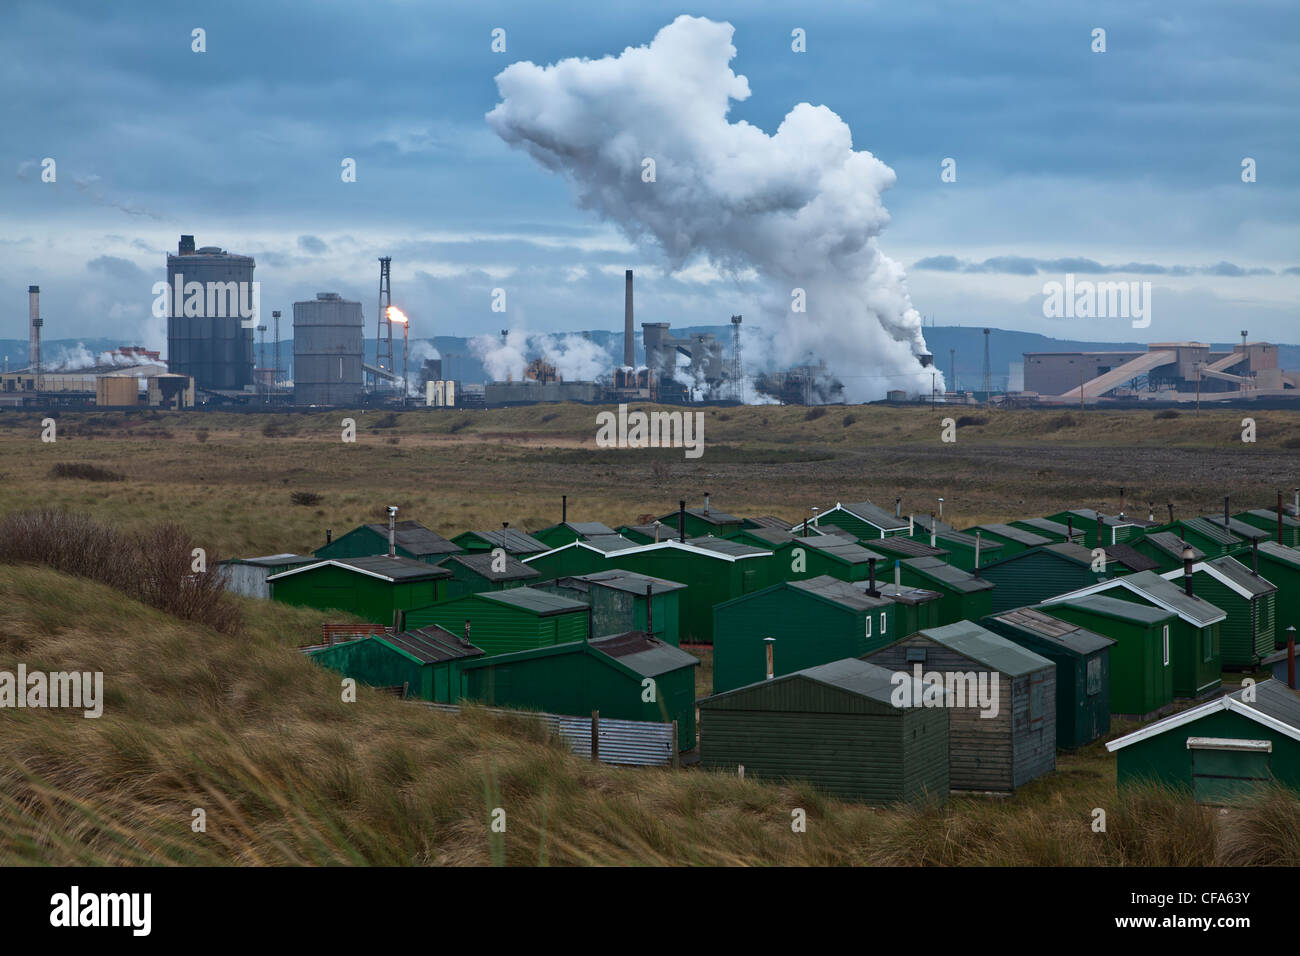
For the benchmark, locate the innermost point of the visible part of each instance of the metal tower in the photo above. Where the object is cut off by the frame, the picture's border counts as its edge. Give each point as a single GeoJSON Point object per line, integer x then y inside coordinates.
{"type": "Point", "coordinates": [384, 329]}
{"type": "Point", "coordinates": [737, 369]}
{"type": "Point", "coordinates": [261, 355]}
{"type": "Point", "coordinates": [988, 387]}
{"type": "Point", "coordinates": [275, 375]}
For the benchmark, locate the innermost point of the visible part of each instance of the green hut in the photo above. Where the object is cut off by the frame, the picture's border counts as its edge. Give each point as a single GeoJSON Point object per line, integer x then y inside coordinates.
{"type": "Point", "coordinates": [1099, 530]}
{"type": "Point", "coordinates": [1012, 539]}
{"type": "Point", "coordinates": [512, 542]}
{"type": "Point", "coordinates": [701, 522]}
{"type": "Point", "coordinates": [1082, 660]}
{"type": "Point", "coordinates": [1205, 536]}
{"type": "Point", "coordinates": [1245, 532]}
{"type": "Point", "coordinates": [834, 726]}
{"type": "Point", "coordinates": [1166, 549]}
{"type": "Point", "coordinates": [1221, 750]}
{"type": "Point", "coordinates": [624, 677]}
{"type": "Point", "coordinates": [965, 596]}
{"type": "Point", "coordinates": [502, 622]}
{"type": "Point", "coordinates": [1197, 651]}
{"type": "Point", "coordinates": [1053, 531]}
{"type": "Point", "coordinates": [1250, 630]}
{"type": "Point", "coordinates": [619, 602]}
{"type": "Point", "coordinates": [1041, 573]}
{"type": "Point", "coordinates": [797, 558]}
{"type": "Point", "coordinates": [914, 608]}
{"type": "Point", "coordinates": [375, 588]}
{"type": "Point", "coordinates": [1141, 672]}
{"type": "Point", "coordinates": [862, 520]}
{"type": "Point", "coordinates": [811, 622]}
{"type": "Point", "coordinates": [1002, 724]}
{"type": "Point", "coordinates": [566, 532]}
{"type": "Point", "coordinates": [1281, 565]}
{"type": "Point", "coordinates": [1266, 519]}
{"type": "Point", "coordinates": [410, 538]}
{"type": "Point", "coordinates": [424, 662]}
{"type": "Point", "coordinates": [578, 557]}
{"type": "Point", "coordinates": [485, 571]}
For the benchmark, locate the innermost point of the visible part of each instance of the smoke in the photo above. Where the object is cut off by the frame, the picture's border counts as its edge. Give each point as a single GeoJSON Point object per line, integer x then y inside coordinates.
{"type": "Point", "coordinates": [576, 359]}
{"type": "Point", "coordinates": [801, 207]}
{"type": "Point", "coordinates": [78, 357]}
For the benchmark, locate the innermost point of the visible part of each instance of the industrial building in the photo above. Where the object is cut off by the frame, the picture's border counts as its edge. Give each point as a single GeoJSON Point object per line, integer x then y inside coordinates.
{"type": "Point", "coordinates": [207, 337]}
{"type": "Point", "coordinates": [327, 351]}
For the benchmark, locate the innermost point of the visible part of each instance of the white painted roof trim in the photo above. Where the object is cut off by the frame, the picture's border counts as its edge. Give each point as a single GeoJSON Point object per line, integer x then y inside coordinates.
{"type": "Point", "coordinates": [1103, 586]}
{"type": "Point", "coordinates": [1196, 713]}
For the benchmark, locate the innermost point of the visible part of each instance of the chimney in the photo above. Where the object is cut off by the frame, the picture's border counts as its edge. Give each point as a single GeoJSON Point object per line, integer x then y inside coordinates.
{"type": "Point", "coordinates": [649, 610]}
{"type": "Point", "coordinates": [505, 535]}
{"type": "Point", "coordinates": [1254, 556]}
{"type": "Point", "coordinates": [1188, 559]}
{"type": "Point", "coordinates": [629, 341]}
{"type": "Point", "coordinates": [681, 521]}
{"type": "Point", "coordinates": [329, 535]}
{"type": "Point", "coordinates": [1279, 517]}
{"type": "Point", "coordinates": [1101, 543]}
{"type": "Point", "coordinates": [392, 531]}
{"type": "Point", "coordinates": [1151, 511]}
{"type": "Point", "coordinates": [1290, 657]}
{"type": "Point", "coordinates": [977, 553]}
{"type": "Point", "coordinates": [898, 507]}
{"type": "Point", "coordinates": [769, 641]}
{"type": "Point", "coordinates": [34, 331]}
{"type": "Point", "coordinates": [871, 581]}
{"type": "Point", "coordinates": [467, 640]}
{"type": "Point", "coordinates": [1171, 512]}
{"type": "Point", "coordinates": [564, 509]}
{"type": "Point", "coordinates": [1295, 504]}
{"type": "Point", "coordinates": [932, 530]}
{"type": "Point", "coordinates": [1227, 515]}
{"type": "Point", "coordinates": [1069, 528]}
{"type": "Point", "coordinates": [911, 525]}
{"type": "Point", "coordinates": [658, 525]}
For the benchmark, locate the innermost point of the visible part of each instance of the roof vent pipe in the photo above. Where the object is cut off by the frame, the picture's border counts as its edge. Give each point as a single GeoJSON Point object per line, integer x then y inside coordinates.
{"type": "Point", "coordinates": [1227, 514]}
{"type": "Point", "coordinates": [1151, 511]}
{"type": "Point", "coordinates": [1254, 556]}
{"type": "Point", "coordinates": [769, 641]}
{"type": "Point", "coordinates": [1188, 559]}
{"type": "Point", "coordinates": [1295, 505]}
{"type": "Point", "coordinates": [658, 525]}
{"type": "Point", "coordinates": [392, 531]}
{"type": "Point", "coordinates": [1290, 657]}
{"type": "Point", "coordinates": [977, 553]}
{"type": "Point", "coordinates": [706, 502]}
{"type": "Point", "coordinates": [1171, 512]}
{"type": "Point", "coordinates": [1279, 517]}
{"type": "Point", "coordinates": [681, 521]}
{"type": "Point", "coordinates": [1069, 528]}
{"type": "Point", "coordinates": [898, 507]}
{"type": "Point", "coordinates": [329, 535]}
{"type": "Point", "coordinates": [505, 535]}
{"type": "Point", "coordinates": [911, 525]}
{"type": "Point", "coordinates": [564, 509]}
{"type": "Point", "coordinates": [932, 530]}
{"type": "Point", "coordinates": [898, 576]}
{"type": "Point", "coordinates": [1101, 543]}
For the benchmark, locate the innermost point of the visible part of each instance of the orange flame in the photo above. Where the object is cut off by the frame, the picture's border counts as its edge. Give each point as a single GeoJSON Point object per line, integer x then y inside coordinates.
{"type": "Point", "coordinates": [395, 314]}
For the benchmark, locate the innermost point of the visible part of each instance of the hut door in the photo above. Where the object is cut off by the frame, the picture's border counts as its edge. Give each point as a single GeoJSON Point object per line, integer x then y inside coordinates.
{"type": "Point", "coordinates": [1223, 770]}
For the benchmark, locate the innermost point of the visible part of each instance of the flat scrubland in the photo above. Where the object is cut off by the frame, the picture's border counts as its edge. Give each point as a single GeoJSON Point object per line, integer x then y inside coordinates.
{"type": "Point", "coordinates": [240, 725]}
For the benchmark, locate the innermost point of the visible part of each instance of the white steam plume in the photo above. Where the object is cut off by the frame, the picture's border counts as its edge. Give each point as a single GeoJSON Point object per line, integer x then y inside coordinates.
{"type": "Point", "coordinates": [801, 207]}
{"type": "Point", "coordinates": [575, 358]}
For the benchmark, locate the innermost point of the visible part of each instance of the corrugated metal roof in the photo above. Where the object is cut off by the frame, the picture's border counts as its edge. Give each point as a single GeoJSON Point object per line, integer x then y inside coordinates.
{"type": "Point", "coordinates": [924, 522]}
{"type": "Point", "coordinates": [1280, 552]}
{"type": "Point", "coordinates": [274, 560]}
{"type": "Point", "coordinates": [483, 563]}
{"type": "Point", "coordinates": [960, 537]}
{"type": "Point", "coordinates": [725, 546]}
{"type": "Point", "coordinates": [1239, 528]}
{"type": "Point", "coordinates": [610, 542]}
{"type": "Point", "coordinates": [1018, 535]}
{"type": "Point", "coordinates": [648, 656]}
{"type": "Point", "coordinates": [1209, 529]}
{"type": "Point", "coordinates": [839, 592]}
{"type": "Point", "coordinates": [774, 536]}
{"type": "Point", "coordinates": [378, 566]}
{"type": "Point", "coordinates": [1275, 706]}
{"type": "Point", "coordinates": [907, 547]}
{"type": "Point", "coordinates": [712, 516]}
{"type": "Point", "coordinates": [872, 514]}
{"type": "Point", "coordinates": [1239, 574]}
{"type": "Point", "coordinates": [629, 581]}
{"type": "Point", "coordinates": [1049, 526]}
{"type": "Point", "coordinates": [1172, 544]}
{"type": "Point", "coordinates": [1271, 515]}
{"type": "Point", "coordinates": [1132, 559]}
{"type": "Point", "coordinates": [514, 541]}
{"type": "Point", "coordinates": [415, 538]}
{"type": "Point", "coordinates": [953, 578]}
{"type": "Point", "coordinates": [1114, 607]}
{"type": "Point", "coordinates": [1088, 514]}
{"type": "Point", "coordinates": [984, 647]}
{"type": "Point", "coordinates": [771, 521]}
{"type": "Point", "coordinates": [842, 549]}
{"type": "Point", "coordinates": [538, 602]}
{"type": "Point", "coordinates": [903, 594]}
{"type": "Point", "coordinates": [432, 644]}
{"type": "Point", "coordinates": [852, 675]}
{"type": "Point", "coordinates": [587, 528]}
{"type": "Point", "coordinates": [1161, 591]}
{"type": "Point", "coordinates": [1078, 639]}
{"type": "Point", "coordinates": [1073, 552]}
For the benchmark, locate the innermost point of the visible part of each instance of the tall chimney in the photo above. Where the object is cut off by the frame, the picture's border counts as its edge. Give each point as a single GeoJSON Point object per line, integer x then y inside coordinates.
{"type": "Point", "coordinates": [681, 521]}
{"type": "Point", "coordinates": [392, 531]}
{"type": "Point", "coordinates": [871, 585]}
{"type": "Point", "coordinates": [629, 342]}
{"type": "Point", "coordinates": [771, 671]}
{"type": "Point", "coordinates": [1188, 559]}
{"type": "Point", "coordinates": [1171, 512]}
{"type": "Point", "coordinates": [564, 509]}
{"type": "Point", "coordinates": [34, 331]}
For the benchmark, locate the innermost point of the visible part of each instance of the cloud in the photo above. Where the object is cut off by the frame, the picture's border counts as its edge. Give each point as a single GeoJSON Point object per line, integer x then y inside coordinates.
{"type": "Point", "coordinates": [1025, 266]}
{"type": "Point", "coordinates": [312, 245]}
{"type": "Point", "coordinates": [118, 268]}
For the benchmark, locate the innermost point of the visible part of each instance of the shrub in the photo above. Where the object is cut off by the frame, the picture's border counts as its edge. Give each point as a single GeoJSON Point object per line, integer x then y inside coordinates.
{"type": "Point", "coordinates": [550, 417]}
{"type": "Point", "coordinates": [814, 413]}
{"type": "Point", "coordinates": [1062, 421]}
{"type": "Point", "coordinates": [85, 471]}
{"type": "Point", "coordinates": [661, 470]}
{"type": "Point", "coordinates": [457, 426]}
{"type": "Point", "coordinates": [849, 419]}
{"type": "Point", "coordinates": [1167, 413]}
{"type": "Point", "coordinates": [387, 421]}
{"type": "Point", "coordinates": [971, 420]}
{"type": "Point", "coordinates": [305, 498]}
{"type": "Point", "coordinates": [200, 435]}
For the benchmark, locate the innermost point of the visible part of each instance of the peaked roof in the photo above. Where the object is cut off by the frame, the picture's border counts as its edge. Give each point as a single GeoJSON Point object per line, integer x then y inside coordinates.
{"type": "Point", "coordinates": [1232, 574]}
{"type": "Point", "coordinates": [1208, 529]}
{"type": "Point", "coordinates": [414, 538]}
{"type": "Point", "coordinates": [541, 603]}
{"type": "Point", "coordinates": [735, 549]}
{"type": "Point", "coordinates": [513, 541]}
{"type": "Point", "coordinates": [1012, 533]}
{"type": "Point", "coordinates": [648, 656]}
{"type": "Point", "coordinates": [871, 514]}
{"type": "Point", "coordinates": [1072, 636]}
{"type": "Point", "coordinates": [1159, 591]}
{"type": "Point", "coordinates": [1112, 607]}
{"type": "Point", "coordinates": [1075, 553]}
{"type": "Point", "coordinates": [1114, 521]}
{"type": "Point", "coordinates": [839, 592]}
{"type": "Point", "coordinates": [483, 562]}
{"type": "Point", "coordinates": [954, 579]}
{"type": "Point", "coordinates": [1275, 706]}
{"type": "Point", "coordinates": [984, 647]}
{"type": "Point", "coordinates": [851, 675]}
{"type": "Point", "coordinates": [376, 566]}
{"type": "Point", "coordinates": [1172, 544]}
{"type": "Point", "coordinates": [712, 516]}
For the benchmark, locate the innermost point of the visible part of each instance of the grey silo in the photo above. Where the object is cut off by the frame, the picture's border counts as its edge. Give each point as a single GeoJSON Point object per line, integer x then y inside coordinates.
{"type": "Point", "coordinates": [327, 350]}
{"type": "Point", "coordinates": [215, 348]}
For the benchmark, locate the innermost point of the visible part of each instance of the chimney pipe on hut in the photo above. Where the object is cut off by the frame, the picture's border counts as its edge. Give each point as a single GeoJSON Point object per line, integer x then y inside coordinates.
{"type": "Point", "coordinates": [392, 531]}
{"type": "Point", "coordinates": [564, 509]}
{"type": "Point", "coordinates": [1290, 657]}
{"type": "Point", "coordinates": [771, 671]}
{"type": "Point", "coordinates": [1188, 559]}
{"type": "Point", "coordinates": [681, 521]}
{"type": "Point", "coordinates": [871, 571]}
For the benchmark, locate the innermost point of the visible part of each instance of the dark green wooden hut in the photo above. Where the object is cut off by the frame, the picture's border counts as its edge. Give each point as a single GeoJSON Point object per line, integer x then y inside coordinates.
{"type": "Point", "coordinates": [964, 550]}
{"type": "Point", "coordinates": [619, 602]}
{"type": "Point", "coordinates": [511, 541]}
{"type": "Point", "coordinates": [965, 597]}
{"type": "Point", "coordinates": [701, 522]}
{"type": "Point", "coordinates": [1141, 671]}
{"type": "Point", "coordinates": [914, 608]}
{"type": "Point", "coordinates": [502, 622]}
{"type": "Point", "coordinates": [1250, 630]}
{"type": "Point", "coordinates": [1221, 750]}
{"type": "Point", "coordinates": [1033, 576]}
{"type": "Point", "coordinates": [424, 662]}
{"type": "Point", "coordinates": [485, 571]}
{"type": "Point", "coordinates": [375, 588]}
{"type": "Point", "coordinates": [1244, 531]}
{"type": "Point", "coordinates": [1012, 539]}
{"type": "Point", "coordinates": [1054, 531]}
{"type": "Point", "coordinates": [834, 726]}
{"type": "Point", "coordinates": [567, 532]}
{"type": "Point", "coordinates": [1281, 566]}
{"type": "Point", "coordinates": [412, 540]}
{"type": "Point", "coordinates": [1205, 536]}
{"type": "Point", "coordinates": [1113, 528]}
{"type": "Point", "coordinates": [1002, 703]}
{"type": "Point", "coordinates": [624, 677]}
{"type": "Point", "coordinates": [1266, 519]}
{"type": "Point", "coordinates": [862, 520]}
{"type": "Point", "coordinates": [811, 622]}
{"type": "Point", "coordinates": [1166, 549]}
{"type": "Point", "coordinates": [1082, 660]}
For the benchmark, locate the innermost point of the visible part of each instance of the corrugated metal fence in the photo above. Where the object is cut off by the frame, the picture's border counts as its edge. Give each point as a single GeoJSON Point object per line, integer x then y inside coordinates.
{"type": "Point", "coordinates": [636, 742]}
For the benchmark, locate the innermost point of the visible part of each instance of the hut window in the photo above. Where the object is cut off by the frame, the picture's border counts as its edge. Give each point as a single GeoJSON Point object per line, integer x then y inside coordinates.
{"type": "Point", "coordinates": [1036, 685]}
{"type": "Point", "coordinates": [1094, 676]}
{"type": "Point", "coordinates": [868, 624]}
{"type": "Point", "coordinates": [1166, 644]}
{"type": "Point", "coordinates": [882, 622]}
{"type": "Point", "coordinates": [916, 655]}
{"type": "Point", "coordinates": [1207, 645]}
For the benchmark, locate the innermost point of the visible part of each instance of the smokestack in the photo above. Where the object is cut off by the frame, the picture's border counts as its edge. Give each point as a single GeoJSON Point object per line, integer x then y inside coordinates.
{"type": "Point", "coordinates": [1188, 559]}
{"type": "Point", "coordinates": [681, 521]}
{"type": "Point", "coordinates": [564, 509]}
{"type": "Point", "coordinates": [629, 343]}
{"type": "Point", "coordinates": [34, 331]}
{"type": "Point", "coordinates": [871, 585]}
{"type": "Point", "coordinates": [769, 641]}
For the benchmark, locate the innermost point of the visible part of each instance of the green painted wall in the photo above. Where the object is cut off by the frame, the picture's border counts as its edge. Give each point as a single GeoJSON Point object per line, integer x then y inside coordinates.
{"type": "Point", "coordinates": [1165, 758]}
{"type": "Point", "coordinates": [853, 525]}
{"type": "Point", "coordinates": [333, 588]}
{"type": "Point", "coordinates": [1197, 651]}
{"type": "Point", "coordinates": [1290, 535]}
{"type": "Point", "coordinates": [1248, 633]}
{"type": "Point", "coordinates": [953, 606]}
{"type": "Point", "coordinates": [1287, 597]}
{"type": "Point", "coordinates": [1034, 576]}
{"type": "Point", "coordinates": [499, 628]}
{"type": "Point", "coordinates": [1140, 682]}
{"type": "Point", "coordinates": [709, 581]}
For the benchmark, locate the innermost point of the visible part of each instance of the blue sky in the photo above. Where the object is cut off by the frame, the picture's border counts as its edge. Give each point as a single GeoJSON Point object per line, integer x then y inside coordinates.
{"type": "Point", "coordinates": [1067, 160]}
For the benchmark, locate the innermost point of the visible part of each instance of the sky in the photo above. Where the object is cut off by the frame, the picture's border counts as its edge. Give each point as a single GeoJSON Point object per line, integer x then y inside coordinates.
{"type": "Point", "coordinates": [1125, 164]}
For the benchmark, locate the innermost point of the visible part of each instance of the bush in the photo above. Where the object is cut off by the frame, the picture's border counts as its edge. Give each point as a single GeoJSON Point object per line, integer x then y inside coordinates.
{"type": "Point", "coordinates": [305, 498]}
{"type": "Point", "coordinates": [84, 471]}
{"type": "Point", "coordinates": [1062, 421]}
{"type": "Point", "coordinates": [1167, 413]}
{"type": "Point", "coordinates": [849, 419]}
{"type": "Point", "coordinates": [200, 435]}
{"type": "Point", "coordinates": [388, 421]}
{"type": "Point", "coordinates": [1291, 443]}
{"type": "Point", "coordinates": [971, 420]}
{"type": "Point", "coordinates": [457, 426]}
{"type": "Point", "coordinates": [152, 566]}
{"type": "Point", "coordinates": [550, 417]}
{"type": "Point", "coordinates": [394, 439]}
{"type": "Point", "coordinates": [814, 413]}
